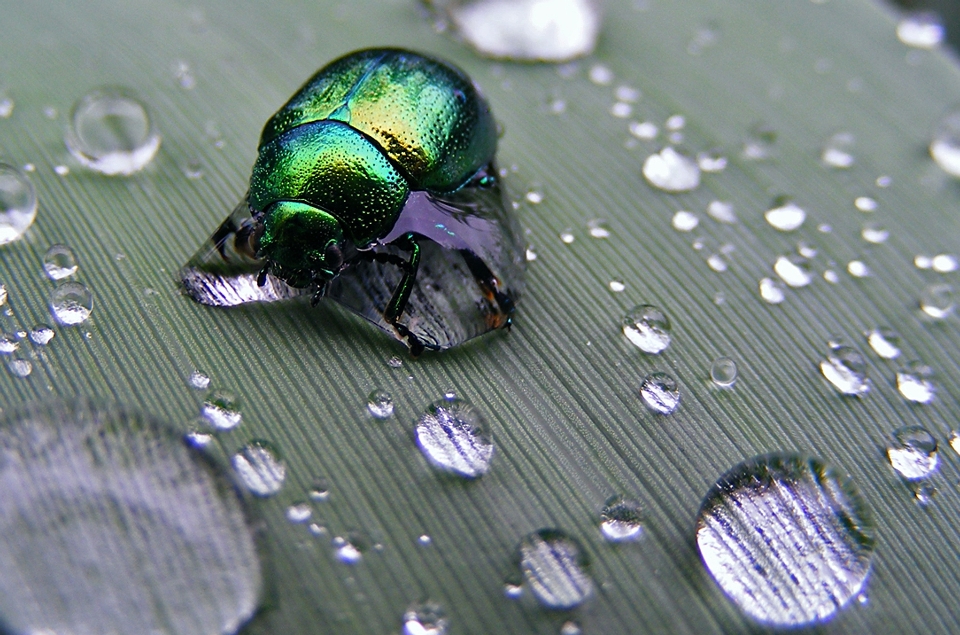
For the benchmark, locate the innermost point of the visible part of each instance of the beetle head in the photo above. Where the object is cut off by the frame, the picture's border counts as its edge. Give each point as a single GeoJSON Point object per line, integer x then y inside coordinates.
{"type": "Point", "coordinates": [303, 244]}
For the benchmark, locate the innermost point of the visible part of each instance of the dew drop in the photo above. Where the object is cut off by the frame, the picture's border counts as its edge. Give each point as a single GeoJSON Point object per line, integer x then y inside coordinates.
{"type": "Point", "coordinates": [938, 300]}
{"type": "Point", "coordinates": [944, 263]}
{"type": "Point", "coordinates": [6, 107]}
{"type": "Point", "coordinates": [921, 29]}
{"type": "Point", "coordinates": [425, 540]}
{"type": "Point", "coordinates": [836, 151]}
{"type": "Point", "coordinates": [717, 263]}
{"type": "Point", "coordinates": [513, 591]}
{"type": "Point", "coordinates": [530, 254]}
{"type": "Point", "coordinates": [221, 410]}
{"type": "Point", "coordinates": [723, 372]}
{"type": "Point", "coordinates": [913, 453]}
{"type": "Point", "coordinates": [197, 439]}
{"type": "Point", "coordinates": [111, 132]}
{"type": "Point", "coordinates": [684, 221]}
{"type": "Point", "coordinates": [71, 303]}
{"type": "Point", "coordinates": [59, 262]}
{"type": "Point", "coordinates": [299, 513]}
{"type": "Point", "coordinates": [567, 237]}
{"type": "Point", "coordinates": [772, 291]}
{"type": "Point", "coordinates": [617, 286]}
{"type": "Point", "coordinates": [945, 146]}
{"type": "Point", "coordinates": [18, 203]}
{"type": "Point", "coordinates": [793, 270]}
{"type": "Point", "coordinates": [198, 380]}
{"type": "Point", "coordinates": [865, 204]}
{"type": "Point", "coordinates": [711, 161]}
{"type": "Point", "coordinates": [534, 197]}
{"type": "Point", "coordinates": [660, 393]}
{"type": "Point", "coordinates": [8, 344]}
{"type": "Point", "coordinates": [3, 294]}
{"type": "Point", "coordinates": [671, 171]}
{"type": "Point", "coordinates": [61, 170]}
{"type": "Point", "coordinates": [831, 276]}
{"type": "Point", "coordinates": [259, 468]}
{"type": "Point", "coordinates": [924, 494]}
{"type": "Point", "coordinates": [628, 94]}
{"type": "Point", "coordinates": [922, 262]}
{"type": "Point", "coordinates": [320, 492]}
{"type": "Point", "coordinates": [193, 169]}
{"type": "Point", "coordinates": [554, 567]}
{"type": "Point", "coordinates": [395, 362]}
{"type": "Point", "coordinates": [914, 384]}
{"type": "Point", "coordinates": [647, 328]}
{"type": "Point", "coordinates": [597, 228]}
{"type": "Point", "coordinates": [760, 143]}
{"type": "Point", "coordinates": [601, 75]}
{"type": "Point", "coordinates": [184, 75]}
{"type": "Point", "coordinates": [786, 538]}
{"type": "Point", "coordinates": [722, 212]}
{"type": "Point", "coordinates": [884, 341]}
{"type": "Point", "coordinates": [875, 234]}
{"type": "Point", "coordinates": [20, 367]}
{"type": "Point", "coordinates": [452, 436]}
{"type": "Point", "coordinates": [621, 520]}
{"type": "Point", "coordinates": [570, 628]}
{"type": "Point", "coordinates": [427, 618]}
{"type": "Point", "coordinates": [349, 550]}
{"type": "Point", "coordinates": [858, 269]}
{"type": "Point", "coordinates": [846, 369]}
{"type": "Point", "coordinates": [621, 110]}
{"type": "Point", "coordinates": [786, 216]}
{"type": "Point", "coordinates": [380, 404]}
{"type": "Point", "coordinates": [41, 334]}
{"type": "Point", "coordinates": [954, 440]}
{"type": "Point", "coordinates": [646, 130]}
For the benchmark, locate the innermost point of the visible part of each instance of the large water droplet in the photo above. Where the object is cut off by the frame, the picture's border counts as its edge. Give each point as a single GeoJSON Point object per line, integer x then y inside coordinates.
{"type": "Point", "coordinates": [427, 618]}
{"type": "Point", "coordinates": [884, 341]}
{"type": "Point", "coordinates": [913, 382]}
{"type": "Point", "coordinates": [786, 538]}
{"type": "Point", "coordinates": [59, 262]}
{"type": "Point", "coordinates": [793, 270]}
{"type": "Point", "coordinates": [945, 146]}
{"type": "Point", "coordinates": [660, 393]}
{"type": "Point", "coordinates": [723, 372]}
{"type": "Point", "coordinates": [786, 216]}
{"type": "Point", "coordinates": [259, 467]}
{"type": "Point", "coordinates": [921, 29]}
{"type": "Point", "coordinates": [913, 453]}
{"type": "Point", "coordinates": [837, 151]}
{"type": "Point", "coordinates": [647, 328]}
{"type": "Point", "coordinates": [380, 404]}
{"type": "Point", "coordinates": [452, 436]}
{"type": "Point", "coordinates": [771, 291]}
{"type": "Point", "coordinates": [119, 528]}
{"type": "Point", "coordinates": [71, 303]}
{"type": "Point", "coordinates": [846, 369]}
{"type": "Point", "coordinates": [938, 300]}
{"type": "Point", "coordinates": [18, 203]}
{"type": "Point", "coordinates": [671, 171]}
{"type": "Point", "coordinates": [111, 132]}
{"type": "Point", "coordinates": [621, 520]}
{"type": "Point", "coordinates": [221, 410]}
{"type": "Point", "coordinates": [554, 567]}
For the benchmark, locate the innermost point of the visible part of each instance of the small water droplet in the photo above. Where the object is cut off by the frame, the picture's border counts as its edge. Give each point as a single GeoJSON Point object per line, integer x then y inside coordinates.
{"type": "Point", "coordinates": [772, 291]}
{"type": "Point", "coordinates": [647, 328]}
{"type": "Point", "coordinates": [601, 75]}
{"type": "Point", "coordinates": [61, 170]}
{"type": "Point", "coordinates": [198, 439]}
{"type": "Point", "coordinates": [760, 143]}
{"type": "Point", "coordinates": [18, 203]}
{"type": "Point", "coordinates": [884, 341]}
{"type": "Point", "coordinates": [184, 75]}
{"type": "Point", "coordinates": [865, 204]}
{"type": "Point", "coordinates": [785, 216]}
{"type": "Point", "coordinates": [530, 254]}
{"type": "Point", "coordinates": [858, 269]}
{"type": "Point", "coordinates": [395, 362]}
{"type": "Point", "coordinates": [71, 303]}
{"type": "Point", "coordinates": [846, 369]}
{"type": "Point", "coordinates": [534, 197]}
{"type": "Point", "coordinates": [554, 567]}
{"type": "Point", "coordinates": [380, 404]}
{"type": "Point", "coordinates": [913, 382]}
{"type": "Point", "coordinates": [922, 262]}
{"type": "Point", "coordinates": [944, 263]}
{"type": "Point", "coordinates": [913, 453]}
{"type": "Point", "coordinates": [621, 110]}
{"type": "Point", "coordinates": [259, 467]}
{"type": "Point", "coordinates": [875, 234]}
{"type": "Point", "coordinates": [452, 436]}
{"type": "Point", "coordinates": [945, 146]}
{"type": "Point", "coordinates": [111, 132]}
{"type": "Point", "coordinates": [938, 300]}
{"type": "Point", "coordinates": [8, 344]}
{"type": "Point", "coordinates": [786, 538]}
{"type": "Point", "coordinates": [6, 107]}
{"type": "Point", "coordinates": [299, 513]}
{"type": "Point", "coordinates": [921, 29]}
{"type": "Point", "coordinates": [621, 520]}
{"type": "Point", "coordinates": [193, 169]}
{"type": "Point", "coordinates": [723, 372]}
{"type": "Point", "coordinates": [684, 221]}
{"type": "Point", "coordinates": [675, 122]}
{"type": "Point", "coordinates": [221, 410]}
{"type": "Point", "coordinates": [349, 550]}
{"type": "Point", "coordinates": [3, 294]}
{"type": "Point", "coordinates": [50, 112]}
{"type": "Point", "coordinates": [831, 276]}
{"type": "Point", "coordinates": [717, 263]}
{"type": "Point", "coordinates": [59, 262]}
{"type": "Point", "coordinates": [20, 367]}
{"type": "Point", "coordinates": [722, 211]}
{"type": "Point", "coordinates": [41, 334]}
{"type": "Point", "coordinates": [924, 494]}
{"type": "Point", "coordinates": [705, 36]}
{"type": "Point", "coordinates": [671, 171]}
{"type": "Point", "coordinates": [646, 130]}
{"type": "Point", "coordinates": [712, 161]}
{"type": "Point", "coordinates": [627, 93]}
{"type": "Point", "coordinates": [954, 440]}
{"type": "Point", "coordinates": [513, 591]}
{"type": "Point", "coordinates": [617, 286]}
{"type": "Point", "coordinates": [570, 628]}
{"type": "Point", "coordinates": [597, 228]}
{"type": "Point", "coordinates": [427, 618]}
{"type": "Point", "coordinates": [320, 492]}
{"type": "Point", "coordinates": [660, 393]}
{"type": "Point", "coordinates": [837, 151]}
{"type": "Point", "coordinates": [567, 237]}
{"type": "Point", "coordinates": [198, 380]}
{"type": "Point", "coordinates": [793, 270]}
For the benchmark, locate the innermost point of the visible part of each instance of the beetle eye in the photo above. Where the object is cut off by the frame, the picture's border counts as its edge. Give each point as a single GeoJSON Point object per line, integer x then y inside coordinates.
{"type": "Point", "coordinates": [332, 257]}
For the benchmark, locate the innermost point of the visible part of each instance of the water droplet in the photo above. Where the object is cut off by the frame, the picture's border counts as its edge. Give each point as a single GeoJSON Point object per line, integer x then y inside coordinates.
{"type": "Point", "coordinates": [41, 334]}
{"type": "Point", "coordinates": [711, 161]}
{"type": "Point", "coordinates": [884, 341]}
{"type": "Point", "coordinates": [197, 439]}
{"type": "Point", "coordinates": [647, 328]}
{"type": "Point", "coordinates": [50, 112]}
{"type": "Point", "coordinates": [760, 143]}
{"type": "Point", "coordinates": [320, 492]}
{"type": "Point", "coordinates": [183, 75]}
{"type": "Point", "coordinates": [621, 520]}
{"type": "Point", "coordinates": [380, 404]}
{"type": "Point", "coordinates": [954, 440]}
{"type": "Point", "coordinates": [59, 262]}
{"type": "Point", "coordinates": [554, 567]}
{"type": "Point", "coordinates": [425, 540]}
{"type": "Point", "coordinates": [452, 436]}
{"type": "Point", "coordinates": [786, 538]}
{"type": "Point", "coordinates": [717, 263]}
{"type": "Point", "coordinates": [671, 171]}
{"type": "Point", "coordinates": [723, 372]}
{"type": "Point", "coordinates": [221, 410]}
{"type": "Point", "coordinates": [534, 197]}
{"type": "Point", "coordinates": [111, 132]}
{"type": "Point", "coordinates": [865, 204]}
{"type": "Point", "coordinates": [836, 151]}
{"type": "Point", "coordinates": [349, 550]}
{"type": "Point", "coordinates": [18, 203]}
{"type": "Point", "coordinates": [395, 362]}
{"type": "Point", "coordinates": [875, 234]}
{"type": "Point", "coordinates": [660, 393]}
{"type": "Point", "coordinates": [131, 530]}
{"type": "Point", "coordinates": [20, 367]}
{"type": "Point", "coordinates": [299, 513]}
{"type": "Point", "coordinates": [8, 344]}
{"type": "Point", "coordinates": [684, 221]}
{"type": "Point", "coordinates": [924, 494]}
{"type": "Point", "coordinates": [913, 382]}
{"type": "Point", "coordinates": [921, 29]}
{"type": "Point", "coordinates": [646, 130]}
{"type": "Point", "coordinates": [627, 93]}
{"type": "Point", "coordinates": [198, 380]}
{"type": "Point", "coordinates": [913, 453]}
{"type": "Point", "coordinates": [922, 262]}
{"type": "Point", "coordinates": [597, 228]}
{"type": "Point", "coordinates": [567, 237]}
{"type": "Point", "coordinates": [944, 263]}
{"type": "Point", "coordinates": [786, 216]}
{"type": "Point", "coordinates": [722, 211]}
{"type": "Point", "coordinates": [793, 270]}
{"type": "Point", "coordinates": [570, 628]}
{"type": "Point", "coordinates": [61, 170]}
{"type": "Point", "coordinates": [705, 36]}
{"type": "Point", "coordinates": [938, 300]}
{"type": "Point", "coordinates": [846, 369]}
{"type": "Point", "coordinates": [259, 468]}
{"type": "Point", "coordinates": [945, 146]}
{"type": "Point", "coordinates": [513, 591]}
{"type": "Point", "coordinates": [6, 107]}
{"type": "Point", "coordinates": [530, 254]}
{"type": "Point", "coordinates": [675, 122]}
{"type": "Point", "coordinates": [193, 169]}
{"type": "Point", "coordinates": [772, 291]}
{"type": "Point", "coordinates": [71, 303]}
{"type": "Point", "coordinates": [3, 294]}
{"type": "Point", "coordinates": [621, 110]}
{"type": "Point", "coordinates": [858, 269]}
{"type": "Point", "coordinates": [427, 618]}
{"type": "Point", "coordinates": [601, 75]}
{"type": "Point", "coordinates": [617, 286]}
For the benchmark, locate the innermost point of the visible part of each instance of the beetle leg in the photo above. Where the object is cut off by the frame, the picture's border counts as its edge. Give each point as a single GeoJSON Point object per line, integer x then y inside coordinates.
{"type": "Point", "coordinates": [262, 276]}
{"type": "Point", "coordinates": [490, 287]}
{"type": "Point", "coordinates": [398, 302]}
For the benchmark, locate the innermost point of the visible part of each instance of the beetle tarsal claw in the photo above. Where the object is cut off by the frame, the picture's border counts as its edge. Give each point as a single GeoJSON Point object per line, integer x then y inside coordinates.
{"type": "Point", "coordinates": [262, 276]}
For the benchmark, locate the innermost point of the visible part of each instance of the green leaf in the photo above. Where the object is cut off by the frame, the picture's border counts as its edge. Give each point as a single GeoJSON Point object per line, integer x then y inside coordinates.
{"type": "Point", "coordinates": [560, 391]}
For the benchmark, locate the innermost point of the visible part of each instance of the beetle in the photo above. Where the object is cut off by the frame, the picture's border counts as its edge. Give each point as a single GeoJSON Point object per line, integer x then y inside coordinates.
{"type": "Point", "coordinates": [375, 185]}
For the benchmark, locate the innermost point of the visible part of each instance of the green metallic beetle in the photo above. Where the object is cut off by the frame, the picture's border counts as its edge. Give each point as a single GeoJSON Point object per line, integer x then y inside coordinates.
{"type": "Point", "coordinates": [380, 153]}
